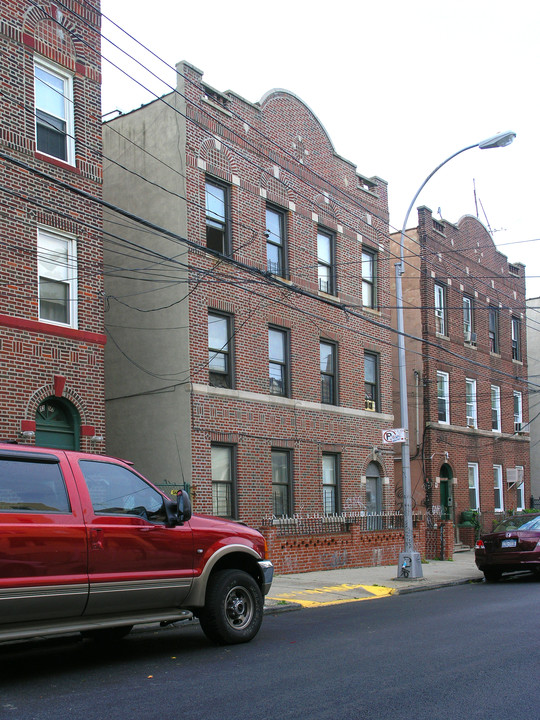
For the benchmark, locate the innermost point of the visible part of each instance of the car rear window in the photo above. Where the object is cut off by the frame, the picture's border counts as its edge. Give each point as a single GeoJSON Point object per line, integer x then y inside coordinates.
{"type": "Point", "coordinates": [519, 522]}
{"type": "Point", "coordinates": [32, 486]}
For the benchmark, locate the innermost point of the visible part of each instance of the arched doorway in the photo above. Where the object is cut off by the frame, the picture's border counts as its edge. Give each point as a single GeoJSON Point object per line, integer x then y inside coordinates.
{"type": "Point", "coordinates": [446, 491]}
{"type": "Point", "coordinates": [58, 424]}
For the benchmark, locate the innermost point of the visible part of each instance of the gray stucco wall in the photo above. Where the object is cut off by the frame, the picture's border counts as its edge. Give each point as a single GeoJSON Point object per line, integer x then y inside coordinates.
{"type": "Point", "coordinates": [147, 352]}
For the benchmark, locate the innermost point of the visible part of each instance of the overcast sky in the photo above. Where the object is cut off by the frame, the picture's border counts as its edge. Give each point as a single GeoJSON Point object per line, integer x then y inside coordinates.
{"type": "Point", "coordinates": [398, 85]}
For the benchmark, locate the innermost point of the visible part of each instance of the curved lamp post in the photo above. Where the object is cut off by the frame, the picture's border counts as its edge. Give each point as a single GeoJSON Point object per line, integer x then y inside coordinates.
{"type": "Point", "coordinates": [409, 558]}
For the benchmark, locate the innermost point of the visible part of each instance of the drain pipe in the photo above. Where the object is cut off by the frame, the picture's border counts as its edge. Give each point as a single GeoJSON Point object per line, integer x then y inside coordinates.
{"type": "Point", "coordinates": [417, 406]}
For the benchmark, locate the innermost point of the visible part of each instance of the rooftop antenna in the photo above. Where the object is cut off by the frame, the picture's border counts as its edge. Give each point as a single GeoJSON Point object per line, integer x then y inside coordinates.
{"type": "Point", "coordinates": [487, 221]}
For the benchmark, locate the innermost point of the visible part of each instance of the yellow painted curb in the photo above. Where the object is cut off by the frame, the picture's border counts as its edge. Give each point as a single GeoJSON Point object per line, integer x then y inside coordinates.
{"type": "Point", "coordinates": [376, 591]}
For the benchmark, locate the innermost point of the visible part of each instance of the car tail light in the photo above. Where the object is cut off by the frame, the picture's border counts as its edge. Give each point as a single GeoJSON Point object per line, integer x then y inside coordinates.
{"type": "Point", "coordinates": [480, 545]}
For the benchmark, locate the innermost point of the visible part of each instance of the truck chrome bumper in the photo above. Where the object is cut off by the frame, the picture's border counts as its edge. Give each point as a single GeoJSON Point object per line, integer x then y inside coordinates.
{"type": "Point", "coordinates": [267, 570]}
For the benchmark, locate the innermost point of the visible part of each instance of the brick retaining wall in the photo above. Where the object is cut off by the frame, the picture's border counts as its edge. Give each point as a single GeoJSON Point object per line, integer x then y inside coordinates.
{"type": "Point", "coordinates": [354, 547]}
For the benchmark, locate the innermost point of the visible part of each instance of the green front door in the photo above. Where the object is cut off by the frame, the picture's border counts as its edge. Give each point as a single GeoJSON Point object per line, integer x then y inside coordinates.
{"type": "Point", "coordinates": [57, 425]}
{"type": "Point", "coordinates": [445, 497]}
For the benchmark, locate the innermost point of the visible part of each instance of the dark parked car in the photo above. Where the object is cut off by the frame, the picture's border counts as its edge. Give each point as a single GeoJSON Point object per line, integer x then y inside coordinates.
{"type": "Point", "coordinates": [513, 545]}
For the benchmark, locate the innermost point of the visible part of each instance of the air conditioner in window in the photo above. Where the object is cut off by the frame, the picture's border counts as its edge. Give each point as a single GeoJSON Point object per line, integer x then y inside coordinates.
{"type": "Point", "coordinates": [518, 427]}
{"type": "Point", "coordinates": [370, 405]}
{"type": "Point", "coordinates": [470, 337]}
{"type": "Point", "coordinates": [514, 476]}
{"type": "Point", "coordinates": [470, 422]}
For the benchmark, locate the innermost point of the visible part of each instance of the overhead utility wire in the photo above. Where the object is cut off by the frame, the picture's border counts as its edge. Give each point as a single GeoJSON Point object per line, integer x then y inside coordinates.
{"type": "Point", "coordinates": [270, 280]}
{"type": "Point", "coordinates": [146, 180]}
{"type": "Point", "coordinates": [241, 285]}
{"type": "Point", "coordinates": [268, 140]}
{"type": "Point", "coordinates": [354, 200]}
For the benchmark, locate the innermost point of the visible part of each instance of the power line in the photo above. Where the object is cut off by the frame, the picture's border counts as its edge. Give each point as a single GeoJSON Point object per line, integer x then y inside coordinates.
{"type": "Point", "coordinates": [268, 279]}
{"type": "Point", "coordinates": [174, 90]}
{"type": "Point", "coordinates": [364, 318]}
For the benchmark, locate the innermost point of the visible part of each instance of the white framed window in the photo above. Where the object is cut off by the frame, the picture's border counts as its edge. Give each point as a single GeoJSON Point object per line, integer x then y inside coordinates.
{"type": "Point", "coordinates": [223, 480]}
{"type": "Point", "coordinates": [326, 262]}
{"type": "Point", "coordinates": [470, 403]}
{"type": "Point", "coordinates": [371, 381]}
{"type": "Point", "coordinates": [53, 93]}
{"type": "Point", "coordinates": [278, 361]}
{"type": "Point", "coordinates": [328, 353]}
{"type": "Point", "coordinates": [218, 224]}
{"type": "Point", "coordinates": [330, 472]}
{"type": "Point", "coordinates": [468, 320]}
{"type": "Point", "coordinates": [474, 502]}
{"type": "Point", "coordinates": [520, 489]}
{"type": "Point", "coordinates": [443, 397]}
{"type": "Point", "coordinates": [220, 356]}
{"type": "Point", "coordinates": [516, 339]}
{"type": "Point", "coordinates": [57, 278]}
{"type": "Point", "coordinates": [496, 408]}
{"type": "Point", "coordinates": [440, 309]}
{"type": "Point", "coordinates": [281, 483]}
{"type": "Point", "coordinates": [498, 488]}
{"type": "Point", "coordinates": [369, 278]}
{"type": "Point", "coordinates": [276, 235]}
{"type": "Point", "coordinates": [518, 411]}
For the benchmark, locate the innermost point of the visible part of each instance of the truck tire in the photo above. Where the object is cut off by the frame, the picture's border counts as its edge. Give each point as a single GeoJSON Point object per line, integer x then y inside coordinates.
{"type": "Point", "coordinates": [492, 575]}
{"type": "Point", "coordinates": [234, 608]}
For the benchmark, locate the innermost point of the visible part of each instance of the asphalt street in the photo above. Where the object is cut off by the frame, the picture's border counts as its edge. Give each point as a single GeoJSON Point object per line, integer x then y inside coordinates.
{"type": "Point", "coordinates": [468, 651]}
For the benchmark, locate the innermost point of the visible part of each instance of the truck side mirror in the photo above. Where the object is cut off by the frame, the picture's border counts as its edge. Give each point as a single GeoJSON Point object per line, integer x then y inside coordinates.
{"type": "Point", "coordinates": [183, 507]}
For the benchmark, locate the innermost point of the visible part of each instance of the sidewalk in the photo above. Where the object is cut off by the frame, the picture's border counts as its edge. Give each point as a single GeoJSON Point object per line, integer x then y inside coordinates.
{"type": "Point", "coordinates": [327, 587]}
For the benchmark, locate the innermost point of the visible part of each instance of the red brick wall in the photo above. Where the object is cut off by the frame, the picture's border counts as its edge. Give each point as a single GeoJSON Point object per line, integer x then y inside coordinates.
{"type": "Point", "coordinates": [464, 258]}
{"type": "Point", "coordinates": [32, 353]}
{"type": "Point", "coordinates": [355, 548]}
{"type": "Point", "coordinates": [243, 146]}
{"type": "Point", "coordinates": [440, 541]}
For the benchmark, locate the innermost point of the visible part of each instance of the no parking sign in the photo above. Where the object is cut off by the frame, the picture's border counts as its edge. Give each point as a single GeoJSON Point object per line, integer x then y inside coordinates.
{"type": "Point", "coordinates": [394, 435]}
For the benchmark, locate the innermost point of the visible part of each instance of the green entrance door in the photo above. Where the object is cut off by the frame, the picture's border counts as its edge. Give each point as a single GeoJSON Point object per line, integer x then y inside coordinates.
{"type": "Point", "coordinates": [445, 490]}
{"type": "Point", "coordinates": [445, 496]}
{"type": "Point", "coordinates": [57, 424]}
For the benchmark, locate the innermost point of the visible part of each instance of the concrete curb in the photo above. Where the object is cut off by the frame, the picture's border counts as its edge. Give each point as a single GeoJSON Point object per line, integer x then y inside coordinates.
{"type": "Point", "coordinates": [438, 586]}
{"type": "Point", "coordinates": [285, 606]}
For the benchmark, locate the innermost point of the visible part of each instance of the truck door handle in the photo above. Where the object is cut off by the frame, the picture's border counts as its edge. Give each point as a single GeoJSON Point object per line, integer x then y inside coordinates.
{"type": "Point", "coordinates": [96, 539]}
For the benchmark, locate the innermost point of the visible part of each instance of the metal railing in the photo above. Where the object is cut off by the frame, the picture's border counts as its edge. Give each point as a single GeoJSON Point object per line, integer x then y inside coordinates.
{"type": "Point", "coordinates": [332, 524]}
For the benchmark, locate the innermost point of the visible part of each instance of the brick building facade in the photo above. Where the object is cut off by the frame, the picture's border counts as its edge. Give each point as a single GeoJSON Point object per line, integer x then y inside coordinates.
{"type": "Point", "coordinates": [51, 305]}
{"type": "Point", "coordinates": [467, 377]}
{"type": "Point", "coordinates": [533, 354]}
{"type": "Point", "coordinates": [251, 359]}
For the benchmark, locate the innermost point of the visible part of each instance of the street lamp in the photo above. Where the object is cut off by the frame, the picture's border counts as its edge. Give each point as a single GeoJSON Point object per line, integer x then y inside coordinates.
{"type": "Point", "coordinates": [409, 558]}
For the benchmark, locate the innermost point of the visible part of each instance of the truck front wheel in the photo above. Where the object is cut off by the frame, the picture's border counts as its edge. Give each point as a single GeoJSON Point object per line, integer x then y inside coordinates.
{"type": "Point", "coordinates": [234, 608]}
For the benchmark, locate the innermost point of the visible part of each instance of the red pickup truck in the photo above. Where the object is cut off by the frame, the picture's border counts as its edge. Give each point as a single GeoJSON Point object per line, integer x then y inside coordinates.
{"type": "Point", "coordinates": [89, 545]}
